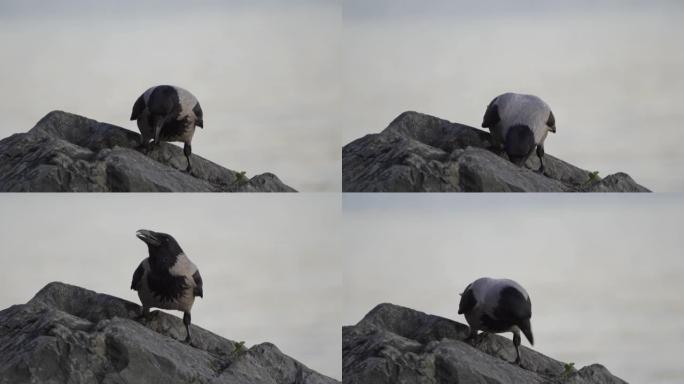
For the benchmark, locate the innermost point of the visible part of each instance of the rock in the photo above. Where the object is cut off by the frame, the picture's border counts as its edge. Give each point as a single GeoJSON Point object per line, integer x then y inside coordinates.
{"type": "Point", "coordinates": [393, 344]}
{"type": "Point", "coordinates": [67, 334]}
{"type": "Point", "coordinates": [71, 153]}
{"type": "Point", "coordinates": [422, 153]}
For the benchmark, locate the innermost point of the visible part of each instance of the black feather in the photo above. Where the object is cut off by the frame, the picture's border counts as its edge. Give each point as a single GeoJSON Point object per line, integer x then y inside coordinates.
{"type": "Point", "coordinates": [165, 286]}
{"type": "Point", "coordinates": [512, 309]}
{"type": "Point", "coordinates": [164, 101]}
{"type": "Point", "coordinates": [494, 324]}
{"type": "Point", "coordinates": [491, 116]}
{"type": "Point", "coordinates": [137, 277]}
{"type": "Point", "coordinates": [468, 301]}
{"type": "Point", "coordinates": [173, 128]}
{"type": "Point", "coordinates": [198, 284]}
{"type": "Point", "coordinates": [551, 122]}
{"type": "Point", "coordinates": [197, 110]}
{"type": "Point", "coordinates": [519, 143]}
{"type": "Point", "coordinates": [138, 108]}
{"type": "Point", "coordinates": [164, 253]}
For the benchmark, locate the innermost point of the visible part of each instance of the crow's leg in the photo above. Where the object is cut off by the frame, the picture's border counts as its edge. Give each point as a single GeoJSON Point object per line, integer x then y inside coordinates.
{"type": "Point", "coordinates": [158, 123]}
{"type": "Point", "coordinates": [144, 314]}
{"type": "Point", "coordinates": [540, 154]}
{"type": "Point", "coordinates": [472, 337]}
{"type": "Point", "coordinates": [186, 321]}
{"type": "Point", "coordinates": [144, 142]}
{"type": "Point", "coordinates": [187, 150]}
{"type": "Point", "coordinates": [516, 343]}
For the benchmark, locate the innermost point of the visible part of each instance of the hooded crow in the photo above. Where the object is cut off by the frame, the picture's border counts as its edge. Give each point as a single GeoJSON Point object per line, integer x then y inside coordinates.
{"type": "Point", "coordinates": [168, 113]}
{"type": "Point", "coordinates": [167, 279]}
{"type": "Point", "coordinates": [519, 123]}
{"type": "Point", "coordinates": [497, 305]}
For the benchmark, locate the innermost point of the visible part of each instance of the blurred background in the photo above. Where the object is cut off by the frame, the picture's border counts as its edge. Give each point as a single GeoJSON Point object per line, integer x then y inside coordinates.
{"type": "Point", "coordinates": [604, 272]}
{"type": "Point", "coordinates": [609, 69]}
{"type": "Point", "coordinates": [265, 72]}
{"type": "Point", "coordinates": [269, 263]}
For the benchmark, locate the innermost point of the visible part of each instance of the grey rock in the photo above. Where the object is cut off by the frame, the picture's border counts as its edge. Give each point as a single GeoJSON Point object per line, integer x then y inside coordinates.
{"type": "Point", "coordinates": [67, 334]}
{"type": "Point", "coordinates": [393, 344]}
{"type": "Point", "coordinates": [422, 153]}
{"type": "Point", "coordinates": [618, 182]}
{"type": "Point", "coordinates": [70, 153]}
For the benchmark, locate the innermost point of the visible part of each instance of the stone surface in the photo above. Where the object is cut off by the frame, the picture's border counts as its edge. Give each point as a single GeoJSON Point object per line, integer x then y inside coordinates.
{"type": "Point", "coordinates": [71, 153]}
{"type": "Point", "coordinates": [393, 344]}
{"type": "Point", "coordinates": [67, 334]}
{"type": "Point", "coordinates": [422, 153]}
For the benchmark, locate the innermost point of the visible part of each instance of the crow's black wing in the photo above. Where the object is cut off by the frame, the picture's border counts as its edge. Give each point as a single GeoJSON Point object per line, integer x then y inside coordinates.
{"type": "Point", "coordinates": [491, 116]}
{"type": "Point", "coordinates": [198, 284]}
{"type": "Point", "coordinates": [138, 108]}
{"type": "Point", "coordinates": [467, 301]}
{"type": "Point", "coordinates": [137, 277]}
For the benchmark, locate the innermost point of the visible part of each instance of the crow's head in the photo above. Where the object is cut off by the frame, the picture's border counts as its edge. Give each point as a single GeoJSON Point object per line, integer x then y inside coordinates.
{"type": "Point", "coordinates": [160, 245]}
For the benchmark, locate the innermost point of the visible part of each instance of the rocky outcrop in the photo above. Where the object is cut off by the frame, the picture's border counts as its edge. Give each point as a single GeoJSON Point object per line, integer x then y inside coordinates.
{"type": "Point", "coordinates": [421, 153]}
{"type": "Point", "coordinates": [394, 344]}
{"type": "Point", "coordinates": [71, 153]}
{"type": "Point", "coordinates": [67, 334]}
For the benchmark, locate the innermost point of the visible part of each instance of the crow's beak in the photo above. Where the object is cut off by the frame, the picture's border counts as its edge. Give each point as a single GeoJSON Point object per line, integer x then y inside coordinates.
{"type": "Point", "coordinates": [147, 236]}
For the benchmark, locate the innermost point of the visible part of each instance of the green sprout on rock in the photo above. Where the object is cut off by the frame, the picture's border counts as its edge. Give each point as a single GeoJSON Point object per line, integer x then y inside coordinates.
{"type": "Point", "coordinates": [568, 369]}
{"type": "Point", "coordinates": [593, 176]}
{"type": "Point", "coordinates": [241, 178]}
{"type": "Point", "coordinates": [239, 349]}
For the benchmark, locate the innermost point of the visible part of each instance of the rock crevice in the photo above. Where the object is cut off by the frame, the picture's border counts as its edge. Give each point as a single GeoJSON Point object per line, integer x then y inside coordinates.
{"type": "Point", "coordinates": [70, 153]}
{"type": "Point", "coordinates": [393, 344]}
{"type": "Point", "coordinates": [67, 334]}
{"type": "Point", "coordinates": [422, 153]}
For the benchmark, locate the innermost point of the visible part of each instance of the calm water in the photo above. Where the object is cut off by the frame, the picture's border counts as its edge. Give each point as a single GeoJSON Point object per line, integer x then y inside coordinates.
{"type": "Point", "coordinates": [604, 272]}
{"type": "Point", "coordinates": [268, 262]}
{"type": "Point", "coordinates": [609, 69]}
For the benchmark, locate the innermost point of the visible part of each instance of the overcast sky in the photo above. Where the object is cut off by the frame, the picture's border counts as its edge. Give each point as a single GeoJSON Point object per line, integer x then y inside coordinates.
{"type": "Point", "coordinates": [266, 74]}
{"type": "Point", "coordinates": [603, 271]}
{"type": "Point", "coordinates": [269, 263]}
{"type": "Point", "coordinates": [610, 70]}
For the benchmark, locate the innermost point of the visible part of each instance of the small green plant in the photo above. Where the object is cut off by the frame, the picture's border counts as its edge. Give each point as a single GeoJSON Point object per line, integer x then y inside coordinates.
{"type": "Point", "coordinates": [241, 178]}
{"type": "Point", "coordinates": [568, 369]}
{"type": "Point", "coordinates": [239, 349]}
{"type": "Point", "coordinates": [593, 176]}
